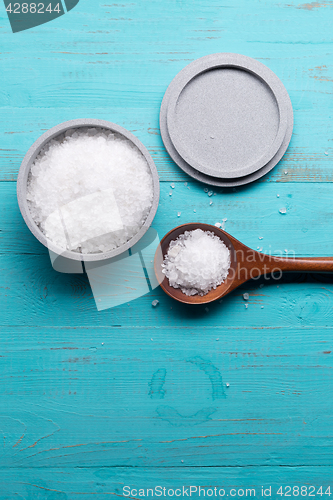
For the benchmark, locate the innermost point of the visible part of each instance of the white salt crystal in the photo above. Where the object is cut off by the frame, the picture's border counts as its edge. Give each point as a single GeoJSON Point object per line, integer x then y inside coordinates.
{"type": "Point", "coordinates": [283, 210]}
{"type": "Point", "coordinates": [170, 194]}
{"type": "Point", "coordinates": [179, 214]}
{"type": "Point", "coordinates": [172, 185]}
{"type": "Point", "coordinates": [90, 190]}
{"type": "Point", "coordinates": [211, 203]}
{"type": "Point", "coordinates": [155, 303]}
{"type": "Point", "coordinates": [261, 237]}
{"type": "Point", "coordinates": [206, 190]}
{"type": "Point", "coordinates": [218, 224]}
{"type": "Point", "coordinates": [81, 216]}
{"type": "Point", "coordinates": [210, 193]}
{"type": "Point", "coordinates": [196, 262]}
{"type": "Point", "coordinates": [246, 296]}
{"type": "Point", "coordinates": [326, 153]}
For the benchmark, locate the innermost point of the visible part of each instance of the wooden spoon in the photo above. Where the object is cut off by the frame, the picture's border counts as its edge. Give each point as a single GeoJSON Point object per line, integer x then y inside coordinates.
{"type": "Point", "coordinates": [246, 264]}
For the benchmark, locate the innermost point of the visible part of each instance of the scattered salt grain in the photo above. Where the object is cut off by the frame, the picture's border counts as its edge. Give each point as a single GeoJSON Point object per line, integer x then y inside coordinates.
{"type": "Point", "coordinates": [194, 211]}
{"type": "Point", "coordinates": [283, 210]}
{"type": "Point", "coordinates": [172, 185]}
{"type": "Point", "coordinates": [246, 306]}
{"type": "Point", "coordinates": [246, 296]}
{"type": "Point", "coordinates": [206, 190]}
{"type": "Point", "coordinates": [185, 184]}
{"type": "Point", "coordinates": [179, 214]}
{"type": "Point", "coordinates": [211, 203]}
{"type": "Point", "coordinates": [285, 172]}
{"type": "Point", "coordinates": [155, 303]}
{"type": "Point", "coordinates": [218, 224]}
{"type": "Point", "coordinates": [278, 196]}
{"type": "Point", "coordinates": [210, 193]}
{"type": "Point", "coordinates": [223, 223]}
{"type": "Point", "coordinates": [89, 190]}
{"type": "Point", "coordinates": [227, 384]}
{"type": "Point", "coordinates": [261, 237]}
{"type": "Point", "coordinates": [196, 262]}
{"type": "Point", "coordinates": [170, 194]}
{"type": "Point", "coordinates": [326, 153]}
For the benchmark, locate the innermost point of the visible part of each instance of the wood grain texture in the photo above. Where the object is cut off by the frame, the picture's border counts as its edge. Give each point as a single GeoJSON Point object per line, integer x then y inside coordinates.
{"type": "Point", "coordinates": [135, 395]}
{"type": "Point", "coordinates": [75, 397]}
{"type": "Point", "coordinates": [102, 482]}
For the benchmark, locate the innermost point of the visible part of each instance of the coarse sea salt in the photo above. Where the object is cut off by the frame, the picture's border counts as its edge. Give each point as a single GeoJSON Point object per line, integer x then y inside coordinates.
{"type": "Point", "coordinates": [90, 190]}
{"type": "Point", "coordinates": [196, 262]}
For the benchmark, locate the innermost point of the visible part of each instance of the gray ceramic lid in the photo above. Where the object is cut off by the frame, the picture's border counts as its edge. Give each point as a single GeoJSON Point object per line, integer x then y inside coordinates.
{"type": "Point", "coordinates": [227, 115]}
{"type": "Point", "coordinates": [216, 181]}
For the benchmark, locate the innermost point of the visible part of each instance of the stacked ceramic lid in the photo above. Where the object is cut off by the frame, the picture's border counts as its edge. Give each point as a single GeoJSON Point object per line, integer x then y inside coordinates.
{"type": "Point", "coordinates": [226, 119]}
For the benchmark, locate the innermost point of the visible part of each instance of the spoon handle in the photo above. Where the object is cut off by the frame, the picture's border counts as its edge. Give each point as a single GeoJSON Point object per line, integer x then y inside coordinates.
{"type": "Point", "coordinates": [306, 264]}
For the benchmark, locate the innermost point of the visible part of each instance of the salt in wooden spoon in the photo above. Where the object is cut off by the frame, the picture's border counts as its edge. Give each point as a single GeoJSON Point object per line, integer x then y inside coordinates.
{"type": "Point", "coordinates": [246, 264]}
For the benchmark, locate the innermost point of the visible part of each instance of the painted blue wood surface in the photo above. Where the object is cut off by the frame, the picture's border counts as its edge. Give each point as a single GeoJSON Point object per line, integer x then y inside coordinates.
{"type": "Point", "coordinates": [91, 402]}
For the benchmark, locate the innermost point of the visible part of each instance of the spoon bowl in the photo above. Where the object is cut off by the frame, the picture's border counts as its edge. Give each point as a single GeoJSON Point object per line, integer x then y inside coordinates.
{"type": "Point", "coordinates": [246, 264]}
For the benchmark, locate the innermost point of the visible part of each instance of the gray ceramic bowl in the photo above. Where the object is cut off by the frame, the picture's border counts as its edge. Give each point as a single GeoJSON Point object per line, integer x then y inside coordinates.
{"type": "Point", "coordinates": [30, 158]}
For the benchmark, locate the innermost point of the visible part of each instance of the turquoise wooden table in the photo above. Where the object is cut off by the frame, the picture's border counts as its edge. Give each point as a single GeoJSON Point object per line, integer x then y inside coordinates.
{"type": "Point", "coordinates": [95, 404]}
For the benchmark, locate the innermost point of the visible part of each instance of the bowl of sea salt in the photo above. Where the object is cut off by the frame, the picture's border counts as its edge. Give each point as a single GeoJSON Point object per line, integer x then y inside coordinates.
{"type": "Point", "coordinates": [88, 190]}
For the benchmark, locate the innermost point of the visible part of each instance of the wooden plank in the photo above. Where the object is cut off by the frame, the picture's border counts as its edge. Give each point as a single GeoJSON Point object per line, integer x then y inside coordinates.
{"type": "Point", "coordinates": [252, 212]}
{"type": "Point", "coordinates": [91, 483]}
{"type": "Point", "coordinates": [77, 397]}
{"type": "Point", "coordinates": [32, 293]}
